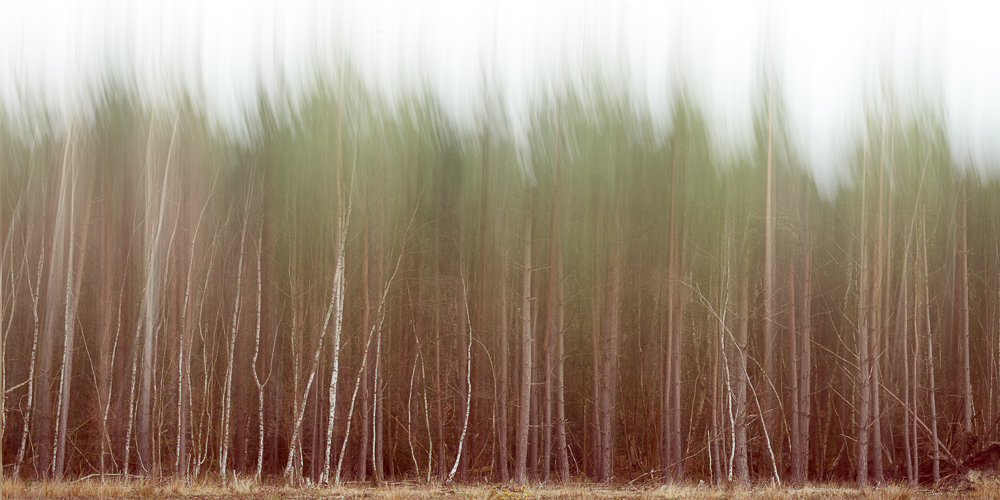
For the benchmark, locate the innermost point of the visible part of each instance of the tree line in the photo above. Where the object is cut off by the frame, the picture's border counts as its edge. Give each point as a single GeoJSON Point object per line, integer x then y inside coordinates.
{"type": "Point", "coordinates": [366, 291]}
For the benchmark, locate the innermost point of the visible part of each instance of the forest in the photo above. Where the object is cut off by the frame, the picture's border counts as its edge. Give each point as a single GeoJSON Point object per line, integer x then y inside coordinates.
{"type": "Point", "coordinates": [363, 290]}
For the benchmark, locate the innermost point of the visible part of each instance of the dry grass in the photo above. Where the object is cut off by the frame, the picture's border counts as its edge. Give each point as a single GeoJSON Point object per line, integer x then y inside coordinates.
{"type": "Point", "coordinates": [241, 488]}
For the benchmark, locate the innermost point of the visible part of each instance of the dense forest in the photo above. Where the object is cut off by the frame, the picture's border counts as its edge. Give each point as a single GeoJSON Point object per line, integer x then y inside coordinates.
{"type": "Point", "coordinates": [363, 290]}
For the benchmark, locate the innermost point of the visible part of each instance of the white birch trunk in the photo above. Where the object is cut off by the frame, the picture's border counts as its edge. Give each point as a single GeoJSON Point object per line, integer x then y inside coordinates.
{"type": "Point", "coordinates": [228, 387]}
{"type": "Point", "coordinates": [468, 385]}
{"type": "Point", "coordinates": [256, 377]}
{"type": "Point", "coordinates": [183, 361]}
{"type": "Point", "coordinates": [34, 291]}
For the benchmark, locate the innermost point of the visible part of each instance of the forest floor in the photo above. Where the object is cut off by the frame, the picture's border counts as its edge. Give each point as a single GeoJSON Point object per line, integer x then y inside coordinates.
{"type": "Point", "coordinates": [146, 489]}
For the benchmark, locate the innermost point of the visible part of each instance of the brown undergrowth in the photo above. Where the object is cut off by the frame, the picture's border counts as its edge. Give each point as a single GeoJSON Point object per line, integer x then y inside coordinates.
{"type": "Point", "coordinates": [248, 489]}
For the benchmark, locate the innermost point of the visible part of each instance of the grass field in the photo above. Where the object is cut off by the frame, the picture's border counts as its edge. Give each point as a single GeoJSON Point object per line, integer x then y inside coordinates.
{"type": "Point", "coordinates": [240, 489]}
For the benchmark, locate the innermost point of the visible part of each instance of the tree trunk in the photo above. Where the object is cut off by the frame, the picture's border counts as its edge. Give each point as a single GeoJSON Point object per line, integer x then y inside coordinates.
{"type": "Point", "coordinates": [227, 395]}
{"type": "Point", "coordinates": [935, 443]}
{"type": "Point", "coordinates": [502, 432]}
{"type": "Point", "coordinates": [74, 279]}
{"type": "Point", "coordinates": [741, 468]}
{"type": "Point", "coordinates": [963, 262]}
{"type": "Point", "coordinates": [793, 379]}
{"type": "Point", "coordinates": [863, 345]}
{"type": "Point", "coordinates": [610, 348]}
{"type": "Point", "coordinates": [770, 330]}
{"type": "Point", "coordinates": [524, 411]}
{"type": "Point", "coordinates": [805, 361]}
{"type": "Point", "coordinates": [550, 326]}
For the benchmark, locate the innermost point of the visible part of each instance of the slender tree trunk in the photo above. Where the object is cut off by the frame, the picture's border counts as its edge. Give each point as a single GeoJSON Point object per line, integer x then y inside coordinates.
{"type": "Point", "coordinates": [561, 445]}
{"type": "Point", "coordinates": [594, 453]}
{"type": "Point", "coordinates": [770, 330]}
{"type": "Point", "coordinates": [741, 466]}
{"type": "Point", "coordinates": [918, 329]}
{"type": "Point", "coordinates": [879, 313]}
{"type": "Point", "coordinates": [502, 410]}
{"type": "Point", "coordinates": [963, 262]}
{"type": "Point", "coordinates": [793, 379]}
{"type": "Point", "coordinates": [935, 443]}
{"type": "Point", "coordinates": [468, 385]}
{"type": "Point", "coordinates": [256, 376]}
{"type": "Point", "coordinates": [909, 406]}
{"type": "Point", "coordinates": [527, 341]}
{"type": "Point", "coordinates": [44, 450]}
{"type": "Point", "coordinates": [156, 263]}
{"type": "Point", "coordinates": [74, 278]}
{"type": "Point", "coordinates": [610, 349]}
{"type": "Point", "coordinates": [366, 330]}
{"type": "Point", "coordinates": [805, 361]}
{"type": "Point", "coordinates": [438, 386]}
{"type": "Point", "coordinates": [864, 370]}
{"type": "Point", "coordinates": [34, 291]}
{"type": "Point", "coordinates": [377, 392]}
{"type": "Point", "coordinates": [227, 398]}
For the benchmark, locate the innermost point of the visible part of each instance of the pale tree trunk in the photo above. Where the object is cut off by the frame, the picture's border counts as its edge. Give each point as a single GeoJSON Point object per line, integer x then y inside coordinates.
{"type": "Point", "coordinates": [727, 286]}
{"type": "Point", "coordinates": [416, 322]}
{"type": "Point", "coordinates": [205, 415]}
{"type": "Point", "coordinates": [34, 292]}
{"type": "Point", "coordinates": [156, 262]}
{"type": "Point", "coordinates": [879, 313]}
{"type": "Point", "coordinates": [337, 301]}
{"type": "Point", "coordinates": [438, 387]}
{"type": "Point", "coordinates": [524, 410]}
{"type": "Point", "coordinates": [5, 331]}
{"type": "Point", "coordinates": [675, 365]}
{"type": "Point", "coordinates": [770, 330]}
{"type": "Point", "coordinates": [594, 451]}
{"type": "Point", "coordinates": [502, 410]}
{"type": "Point", "coordinates": [919, 329]}
{"type": "Point", "coordinates": [907, 304]}
{"type": "Point", "coordinates": [44, 451]}
{"type": "Point", "coordinates": [805, 361]}
{"type": "Point", "coordinates": [550, 314]}
{"type": "Point", "coordinates": [930, 360]}
{"type": "Point", "coordinates": [963, 256]}
{"type": "Point", "coordinates": [461, 464]}
{"type": "Point", "coordinates": [294, 474]}
{"type": "Point", "coordinates": [377, 408]}
{"type": "Point", "coordinates": [864, 371]}
{"type": "Point", "coordinates": [105, 400]}
{"type": "Point", "coordinates": [227, 398]}
{"type": "Point", "coordinates": [73, 281]}
{"type": "Point", "coordinates": [793, 377]}
{"type": "Point", "coordinates": [183, 361]}
{"type": "Point", "coordinates": [468, 386]}
{"type": "Point", "coordinates": [256, 376]}
{"type": "Point", "coordinates": [903, 326]}
{"type": "Point", "coordinates": [362, 458]}
{"type": "Point", "coordinates": [741, 468]}
{"type": "Point", "coordinates": [337, 305]}
{"type": "Point", "coordinates": [715, 454]}
{"type": "Point", "coordinates": [561, 445]}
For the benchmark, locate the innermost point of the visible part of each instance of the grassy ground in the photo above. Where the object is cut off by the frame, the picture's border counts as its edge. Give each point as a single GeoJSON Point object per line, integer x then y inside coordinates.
{"type": "Point", "coordinates": [247, 489]}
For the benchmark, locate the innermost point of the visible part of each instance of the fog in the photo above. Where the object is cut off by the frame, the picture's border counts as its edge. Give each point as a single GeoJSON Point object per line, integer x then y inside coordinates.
{"type": "Point", "coordinates": [828, 63]}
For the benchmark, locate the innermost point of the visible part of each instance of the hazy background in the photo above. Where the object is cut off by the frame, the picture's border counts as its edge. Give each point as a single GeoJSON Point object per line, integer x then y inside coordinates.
{"type": "Point", "coordinates": [831, 60]}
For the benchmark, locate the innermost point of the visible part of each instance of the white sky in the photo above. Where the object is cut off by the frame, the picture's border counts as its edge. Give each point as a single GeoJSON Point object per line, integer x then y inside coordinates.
{"type": "Point", "coordinates": [831, 58]}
